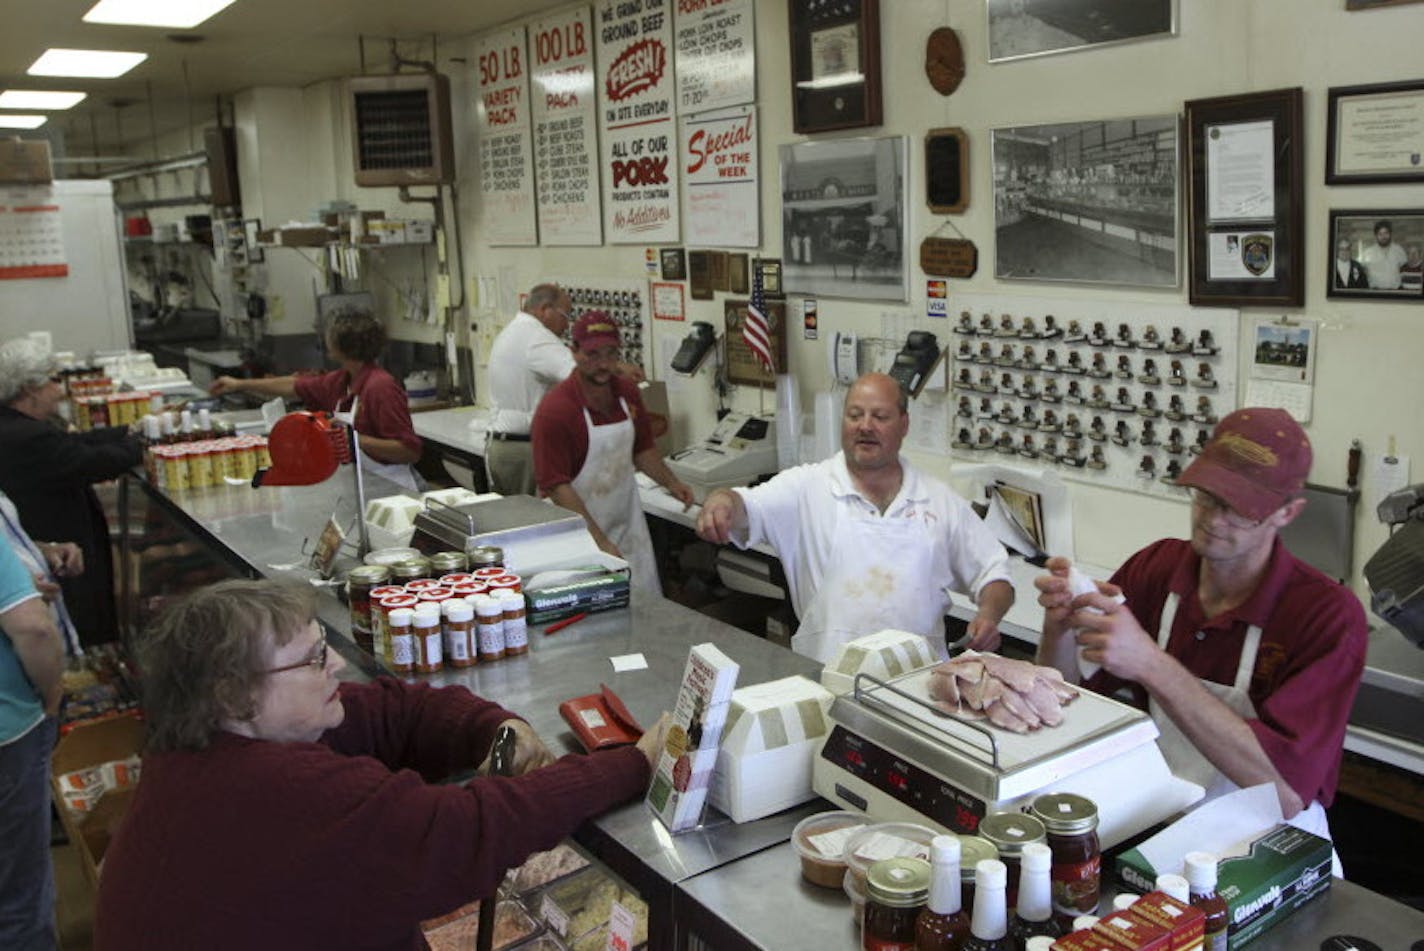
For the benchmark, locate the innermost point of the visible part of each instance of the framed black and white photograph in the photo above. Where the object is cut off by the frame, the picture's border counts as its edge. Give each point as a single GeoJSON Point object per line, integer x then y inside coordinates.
{"type": "Point", "coordinates": [1377, 254]}
{"type": "Point", "coordinates": [1020, 28]}
{"type": "Point", "coordinates": [843, 222]}
{"type": "Point", "coordinates": [1375, 134]}
{"type": "Point", "coordinates": [1091, 202]}
{"type": "Point", "coordinates": [674, 264]}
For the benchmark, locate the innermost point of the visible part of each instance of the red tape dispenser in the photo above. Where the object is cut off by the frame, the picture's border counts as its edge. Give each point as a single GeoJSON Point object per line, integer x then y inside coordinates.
{"type": "Point", "coordinates": [306, 448]}
{"type": "Point", "coordinates": [600, 720]}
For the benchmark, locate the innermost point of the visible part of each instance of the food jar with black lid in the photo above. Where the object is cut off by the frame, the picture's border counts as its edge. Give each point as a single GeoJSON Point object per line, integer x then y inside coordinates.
{"type": "Point", "coordinates": [896, 890]}
{"type": "Point", "coordinates": [1072, 825]}
{"type": "Point", "coordinates": [1010, 832]}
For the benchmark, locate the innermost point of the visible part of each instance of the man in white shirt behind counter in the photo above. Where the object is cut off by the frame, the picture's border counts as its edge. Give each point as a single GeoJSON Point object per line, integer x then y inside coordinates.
{"type": "Point", "coordinates": [867, 541]}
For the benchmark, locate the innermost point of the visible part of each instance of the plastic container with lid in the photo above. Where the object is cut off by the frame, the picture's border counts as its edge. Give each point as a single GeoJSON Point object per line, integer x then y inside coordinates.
{"type": "Point", "coordinates": [1071, 824]}
{"type": "Point", "coordinates": [895, 891]}
{"type": "Point", "coordinates": [460, 638]}
{"type": "Point", "coordinates": [516, 624]}
{"type": "Point", "coordinates": [489, 617]}
{"type": "Point", "coordinates": [884, 840]}
{"type": "Point", "coordinates": [856, 894]}
{"type": "Point", "coordinates": [1010, 832]}
{"type": "Point", "coordinates": [425, 627]}
{"type": "Point", "coordinates": [820, 840]}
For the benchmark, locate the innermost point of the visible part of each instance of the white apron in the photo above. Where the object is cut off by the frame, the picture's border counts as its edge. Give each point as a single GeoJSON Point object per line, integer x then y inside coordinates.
{"type": "Point", "coordinates": [401, 473]}
{"type": "Point", "coordinates": [1182, 756]}
{"type": "Point", "coordinates": [609, 490]}
{"type": "Point", "coordinates": [879, 576]}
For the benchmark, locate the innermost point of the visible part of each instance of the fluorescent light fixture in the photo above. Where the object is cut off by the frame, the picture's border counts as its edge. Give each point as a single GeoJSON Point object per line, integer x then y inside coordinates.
{"type": "Point", "coordinates": [177, 14]}
{"type": "Point", "coordinates": [37, 99]}
{"type": "Point", "coordinates": [94, 64]}
{"type": "Point", "coordinates": [22, 121]}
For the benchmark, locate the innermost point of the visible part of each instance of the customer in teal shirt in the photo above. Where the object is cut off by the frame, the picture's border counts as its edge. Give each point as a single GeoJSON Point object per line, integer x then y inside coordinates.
{"type": "Point", "coordinates": [31, 661]}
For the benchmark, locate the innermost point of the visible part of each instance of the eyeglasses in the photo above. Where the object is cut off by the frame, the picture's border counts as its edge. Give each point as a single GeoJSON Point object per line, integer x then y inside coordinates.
{"type": "Point", "coordinates": [56, 378]}
{"type": "Point", "coordinates": [317, 660]}
{"type": "Point", "coordinates": [1205, 501]}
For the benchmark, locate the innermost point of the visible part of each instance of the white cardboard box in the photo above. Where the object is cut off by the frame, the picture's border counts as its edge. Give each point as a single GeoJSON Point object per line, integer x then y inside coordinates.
{"type": "Point", "coordinates": [768, 746]}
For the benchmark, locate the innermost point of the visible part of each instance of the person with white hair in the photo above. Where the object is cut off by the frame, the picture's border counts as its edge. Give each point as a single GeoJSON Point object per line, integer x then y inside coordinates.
{"type": "Point", "coordinates": [49, 474]}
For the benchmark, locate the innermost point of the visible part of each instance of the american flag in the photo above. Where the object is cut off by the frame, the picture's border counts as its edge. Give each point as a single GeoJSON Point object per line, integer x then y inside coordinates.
{"type": "Point", "coordinates": [756, 330]}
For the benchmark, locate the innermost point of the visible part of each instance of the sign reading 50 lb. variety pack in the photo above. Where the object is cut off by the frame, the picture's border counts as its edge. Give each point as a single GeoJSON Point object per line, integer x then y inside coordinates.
{"type": "Point", "coordinates": [639, 141]}
{"type": "Point", "coordinates": [506, 162]}
{"type": "Point", "coordinates": [565, 128]}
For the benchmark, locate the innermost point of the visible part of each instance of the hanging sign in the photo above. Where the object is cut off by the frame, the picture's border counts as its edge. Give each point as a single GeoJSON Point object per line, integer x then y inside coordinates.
{"type": "Point", "coordinates": [565, 111]}
{"type": "Point", "coordinates": [506, 159]}
{"type": "Point", "coordinates": [721, 199]}
{"type": "Point", "coordinates": [716, 54]}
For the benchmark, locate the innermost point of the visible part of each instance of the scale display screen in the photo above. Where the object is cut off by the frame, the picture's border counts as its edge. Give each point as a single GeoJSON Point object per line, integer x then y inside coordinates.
{"type": "Point", "coordinates": [754, 428]}
{"type": "Point", "coordinates": [900, 779]}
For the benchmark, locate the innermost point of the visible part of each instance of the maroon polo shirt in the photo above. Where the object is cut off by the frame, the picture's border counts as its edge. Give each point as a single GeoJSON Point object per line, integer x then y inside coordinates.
{"type": "Point", "coordinates": [383, 411]}
{"type": "Point", "coordinates": [1308, 666]}
{"type": "Point", "coordinates": [559, 434]}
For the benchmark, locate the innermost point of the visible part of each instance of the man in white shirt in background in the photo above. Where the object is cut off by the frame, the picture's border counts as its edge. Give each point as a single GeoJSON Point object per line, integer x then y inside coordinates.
{"type": "Point", "coordinates": [1383, 259]}
{"type": "Point", "coordinates": [527, 358]}
{"type": "Point", "coordinates": [867, 541]}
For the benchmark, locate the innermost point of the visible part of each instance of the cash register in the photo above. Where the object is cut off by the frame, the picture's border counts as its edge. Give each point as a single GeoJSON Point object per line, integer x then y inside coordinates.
{"type": "Point", "coordinates": [742, 447]}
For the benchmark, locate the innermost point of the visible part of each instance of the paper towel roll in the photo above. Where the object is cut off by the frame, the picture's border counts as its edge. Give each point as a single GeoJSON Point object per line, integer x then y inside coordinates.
{"type": "Point", "coordinates": [788, 423]}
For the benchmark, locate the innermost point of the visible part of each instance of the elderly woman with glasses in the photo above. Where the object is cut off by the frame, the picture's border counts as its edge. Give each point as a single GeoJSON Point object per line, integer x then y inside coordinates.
{"type": "Point", "coordinates": [282, 808]}
{"type": "Point", "coordinates": [49, 473]}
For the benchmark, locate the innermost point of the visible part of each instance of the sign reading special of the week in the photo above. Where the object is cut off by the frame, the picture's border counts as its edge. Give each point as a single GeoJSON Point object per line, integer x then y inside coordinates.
{"type": "Point", "coordinates": [566, 128]}
{"type": "Point", "coordinates": [639, 140]}
{"type": "Point", "coordinates": [721, 198]}
{"type": "Point", "coordinates": [506, 158]}
{"type": "Point", "coordinates": [716, 54]}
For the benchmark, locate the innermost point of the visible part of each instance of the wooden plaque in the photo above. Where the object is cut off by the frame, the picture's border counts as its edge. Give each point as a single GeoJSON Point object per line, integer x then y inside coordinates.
{"type": "Point", "coordinates": [949, 257]}
{"type": "Point", "coordinates": [947, 170]}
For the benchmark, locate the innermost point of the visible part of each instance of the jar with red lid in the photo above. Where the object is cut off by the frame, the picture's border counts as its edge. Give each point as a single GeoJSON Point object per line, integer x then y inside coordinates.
{"type": "Point", "coordinates": [505, 582]}
{"type": "Point", "coordinates": [489, 571]}
{"type": "Point", "coordinates": [417, 585]}
{"type": "Point", "coordinates": [453, 578]}
{"type": "Point", "coordinates": [1071, 822]}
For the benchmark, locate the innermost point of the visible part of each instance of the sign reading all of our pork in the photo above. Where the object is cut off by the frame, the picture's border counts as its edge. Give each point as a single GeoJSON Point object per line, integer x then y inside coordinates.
{"type": "Point", "coordinates": [721, 198]}
{"type": "Point", "coordinates": [639, 141]}
{"type": "Point", "coordinates": [716, 54]}
{"type": "Point", "coordinates": [506, 159]}
{"type": "Point", "coordinates": [566, 128]}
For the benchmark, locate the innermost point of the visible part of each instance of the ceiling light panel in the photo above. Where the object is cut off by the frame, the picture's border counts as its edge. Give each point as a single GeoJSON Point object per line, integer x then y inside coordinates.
{"type": "Point", "coordinates": [22, 121]}
{"type": "Point", "coordinates": [94, 64]}
{"type": "Point", "coordinates": [173, 14]}
{"type": "Point", "coordinates": [39, 99]}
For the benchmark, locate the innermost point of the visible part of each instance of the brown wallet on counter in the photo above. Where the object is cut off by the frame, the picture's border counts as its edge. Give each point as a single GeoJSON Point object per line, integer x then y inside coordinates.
{"type": "Point", "coordinates": [600, 720]}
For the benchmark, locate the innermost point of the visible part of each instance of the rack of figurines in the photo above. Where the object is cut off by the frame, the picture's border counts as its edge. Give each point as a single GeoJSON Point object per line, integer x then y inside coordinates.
{"type": "Point", "coordinates": [1125, 399]}
{"type": "Point", "coordinates": [625, 302]}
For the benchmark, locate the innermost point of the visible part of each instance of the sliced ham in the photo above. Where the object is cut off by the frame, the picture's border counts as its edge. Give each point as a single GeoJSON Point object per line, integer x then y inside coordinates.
{"type": "Point", "coordinates": [1013, 694]}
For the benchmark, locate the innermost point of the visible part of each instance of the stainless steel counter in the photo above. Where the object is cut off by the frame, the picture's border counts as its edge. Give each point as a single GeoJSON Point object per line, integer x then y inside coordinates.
{"type": "Point", "coordinates": [762, 902]}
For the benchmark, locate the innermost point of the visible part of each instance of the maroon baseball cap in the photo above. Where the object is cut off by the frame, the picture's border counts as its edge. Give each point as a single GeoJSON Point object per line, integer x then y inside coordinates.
{"type": "Point", "coordinates": [1256, 461]}
{"type": "Point", "coordinates": [593, 330]}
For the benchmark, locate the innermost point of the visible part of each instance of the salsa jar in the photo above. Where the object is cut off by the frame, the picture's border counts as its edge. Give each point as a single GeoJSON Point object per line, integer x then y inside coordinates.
{"type": "Point", "coordinates": [359, 582]}
{"type": "Point", "coordinates": [1009, 832]}
{"type": "Point", "coordinates": [1072, 825]}
{"type": "Point", "coordinates": [973, 849]}
{"type": "Point", "coordinates": [445, 562]}
{"type": "Point", "coordinates": [895, 891]}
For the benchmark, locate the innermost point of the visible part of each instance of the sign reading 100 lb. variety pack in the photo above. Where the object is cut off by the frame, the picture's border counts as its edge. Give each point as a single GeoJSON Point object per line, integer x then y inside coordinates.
{"type": "Point", "coordinates": [639, 140]}
{"type": "Point", "coordinates": [506, 160]}
{"type": "Point", "coordinates": [566, 128]}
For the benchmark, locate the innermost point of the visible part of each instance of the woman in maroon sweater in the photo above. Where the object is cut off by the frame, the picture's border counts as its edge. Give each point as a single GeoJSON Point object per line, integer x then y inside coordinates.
{"type": "Point", "coordinates": [280, 808]}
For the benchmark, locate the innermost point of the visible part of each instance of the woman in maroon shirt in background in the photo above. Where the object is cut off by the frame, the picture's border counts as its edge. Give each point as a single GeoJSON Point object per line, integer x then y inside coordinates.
{"type": "Point", "coordinates": [281, 808]}
{"type": "Point", "coordinates": [388, 441]}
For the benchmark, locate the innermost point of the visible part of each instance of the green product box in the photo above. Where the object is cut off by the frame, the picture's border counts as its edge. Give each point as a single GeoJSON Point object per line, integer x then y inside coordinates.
{"type": "Point", "coordinates": [1285, 868]}
{"type": "Point", "coordinates": [601, 593]}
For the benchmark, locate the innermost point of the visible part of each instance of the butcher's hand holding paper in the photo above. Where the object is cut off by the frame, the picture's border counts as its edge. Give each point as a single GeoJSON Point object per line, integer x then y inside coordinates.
{"type": "Point", "coordinates": [1057, 596]}
{"type": "Point", "coordinates": [723, 516]}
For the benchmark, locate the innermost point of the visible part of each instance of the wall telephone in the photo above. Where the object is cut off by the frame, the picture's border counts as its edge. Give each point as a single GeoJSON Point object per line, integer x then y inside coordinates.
{"type": "Point", "coordinates": [915, 359]}
{"type": "Point", "coordinates": [695, 347]}
{"type": "Point", "coordinates": [845, 359]}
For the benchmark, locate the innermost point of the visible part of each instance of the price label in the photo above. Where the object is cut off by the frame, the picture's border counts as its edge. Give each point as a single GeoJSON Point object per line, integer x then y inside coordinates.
{"type": "Point", "coordinates": [620, 929]}
{"type": "Point", "coordinates": [554, 916]}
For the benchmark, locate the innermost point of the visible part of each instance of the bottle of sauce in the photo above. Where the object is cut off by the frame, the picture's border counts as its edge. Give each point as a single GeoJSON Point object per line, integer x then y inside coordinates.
{"type": "Point", "coordinates": [943, 924]}
{"type": "Point", "coordinates": [402, 639]}
{"type": "Point", "coordinates": [1071, 823]}
{"type": "Point", "coordinates": [1201, 881]}
{"type": "Point", "coordinates": [1033, 915]}
{"type": "Point", "coordinates": [895, 891]}
{"type": "Point", "coordinates": [989, 928]}
{"type": "Point", "coordinates": [1174, 886]}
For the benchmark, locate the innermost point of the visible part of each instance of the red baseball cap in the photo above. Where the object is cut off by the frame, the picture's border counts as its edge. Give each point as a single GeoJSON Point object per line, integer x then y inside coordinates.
{"type": "Point", "coordinates": [595, 329]}
{"type": "Point", "coordinates": [1256, 461]}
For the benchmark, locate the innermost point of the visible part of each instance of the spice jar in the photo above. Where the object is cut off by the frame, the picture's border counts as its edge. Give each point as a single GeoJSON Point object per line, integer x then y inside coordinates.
{"type": "Point", "coordinates": [426, 630]}
{"type": "Point", "coordinates": [459, 633]}
{"type": "Point", "coordinates": [516, 628]}
{"type": "Point", "coordinates": [380, 640]}
{"type": "Point", "coordinates": [402, 639]}
{"type": "Point", "coordinates": [1071, 823]}
{"type": "Point", "coordinates": [490, 616]}
{"type": "Point", "coordinates": [1010, 832]}
{"type": "Point", "coordinates": [896, 890]}
{"type": "Point", "coordinates": [504, 582]}
{"type": "Point", "coordinates": [387, 604]}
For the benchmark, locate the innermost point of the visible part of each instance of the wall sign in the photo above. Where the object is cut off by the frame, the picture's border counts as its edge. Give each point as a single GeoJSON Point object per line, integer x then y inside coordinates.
{"type": "Point", "coordinates": [716, 54]}
{"type": "Point", "coordinates": [949, 257]}
{"type": "Point", "coordinates": [721, 198]}
{"type": "Point", "coordinates": [639, 137]}
{"type": "Point", "coordinates": [565, 112]}
{"type": "Point", "coordinates": [506, 157]}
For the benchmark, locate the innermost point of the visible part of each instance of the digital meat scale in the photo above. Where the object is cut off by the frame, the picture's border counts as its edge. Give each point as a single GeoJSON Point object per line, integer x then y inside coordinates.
{"type": "Point", "coordinates": [894, 756]}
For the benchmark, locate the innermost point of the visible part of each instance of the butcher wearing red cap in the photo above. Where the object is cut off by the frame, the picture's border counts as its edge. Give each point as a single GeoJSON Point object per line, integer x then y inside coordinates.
{"type": "Point", "coordinates": [590, 433]}
{"type": "Point", "coordinates": [1247, 658]}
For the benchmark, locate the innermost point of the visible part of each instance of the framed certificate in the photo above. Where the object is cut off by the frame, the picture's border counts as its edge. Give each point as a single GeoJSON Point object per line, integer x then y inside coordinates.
{"type": "Point", "coordinates": [1246, 221]}
{"type": "Point", "coordinates": [1375, 134]}
{"type": "Point", "coordinates": [835, 64]}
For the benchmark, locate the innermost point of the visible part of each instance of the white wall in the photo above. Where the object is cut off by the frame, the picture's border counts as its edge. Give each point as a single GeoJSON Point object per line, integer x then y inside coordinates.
{"type": "Point", "coordinates": [1367, 380]}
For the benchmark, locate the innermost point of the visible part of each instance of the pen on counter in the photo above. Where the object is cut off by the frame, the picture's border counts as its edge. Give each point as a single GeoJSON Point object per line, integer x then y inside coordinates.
{"type": "Point", "coordinates": [558, 626]}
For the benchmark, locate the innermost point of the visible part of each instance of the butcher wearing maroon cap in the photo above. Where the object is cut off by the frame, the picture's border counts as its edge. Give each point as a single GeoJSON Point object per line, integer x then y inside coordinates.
{"type": "Point", "coordinates": [1247, 658]}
